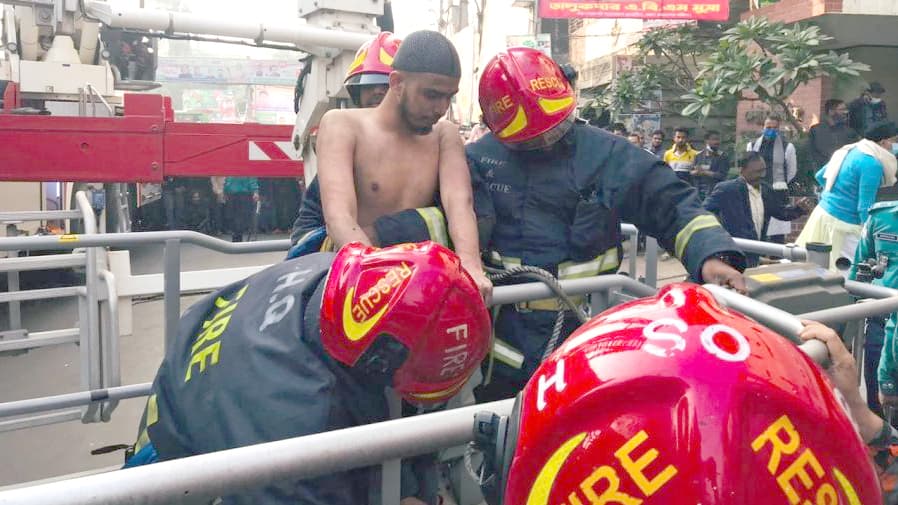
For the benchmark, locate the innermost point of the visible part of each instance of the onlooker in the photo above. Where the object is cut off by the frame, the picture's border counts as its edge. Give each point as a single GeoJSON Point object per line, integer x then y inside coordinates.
{"type": "Point", "coordinates": [218, 204]}
{"type": "Point", "coordinates": [782, 167]}
{"type": "Point", "coordinates": [618, 129]}
{"type": "Point", "coordinates": [867, 109]}
{"type": "Point", "coordinates": [831, 133]}
{"type": "Point", "coordinates": [681, 156]}
{"type": "Point", "coordinates": [744, 205]}
{"type": "Point", "coordinates": [241, 194]}
{"type": "Point", "coordinates": [479, 130]}
{"type": "Point", "coordinates": [635, 138]}
{"type": "Point", "coordinates": [850, 181]}
{"type": "Point", "coordinates": [711, 165]}
{"type": "Point", "coordinates": [657, 143]}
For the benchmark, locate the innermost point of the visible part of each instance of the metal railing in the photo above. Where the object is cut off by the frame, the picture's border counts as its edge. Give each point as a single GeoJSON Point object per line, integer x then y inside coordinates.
{"type": "Point", "coordinates": [237, 470]}
{"type": "Point", "coordinates": [97, 331]}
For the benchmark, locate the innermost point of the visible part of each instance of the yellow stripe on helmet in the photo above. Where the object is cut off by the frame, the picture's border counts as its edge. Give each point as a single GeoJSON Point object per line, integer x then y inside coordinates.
{"type": "Point", "coordinates": [553, 105]}
{"type": "Point", "coordinates": [517, 124]}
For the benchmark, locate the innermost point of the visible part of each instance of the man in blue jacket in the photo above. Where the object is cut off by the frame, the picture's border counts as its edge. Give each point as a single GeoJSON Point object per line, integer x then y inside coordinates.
{"type": "Point", "coordinates": [745, 205]}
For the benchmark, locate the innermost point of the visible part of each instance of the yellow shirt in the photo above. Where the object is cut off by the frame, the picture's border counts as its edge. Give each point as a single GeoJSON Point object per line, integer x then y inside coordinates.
{"type": "Point", "coordinates": [681, 162]}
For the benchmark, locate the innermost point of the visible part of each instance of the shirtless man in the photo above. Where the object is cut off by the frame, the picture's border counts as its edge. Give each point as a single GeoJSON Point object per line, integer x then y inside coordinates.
{"type": "Point", "coordinates": [399, 155]}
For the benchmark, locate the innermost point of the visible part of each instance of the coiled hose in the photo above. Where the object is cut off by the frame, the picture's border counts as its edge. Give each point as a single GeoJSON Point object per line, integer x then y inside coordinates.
{"type": "Point", "coordinates": [540, 275]}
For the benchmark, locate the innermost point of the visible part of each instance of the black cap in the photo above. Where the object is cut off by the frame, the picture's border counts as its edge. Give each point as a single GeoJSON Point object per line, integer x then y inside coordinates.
{"type": "Point", "coordinates": [426, 51]}
{"type": "Point", "coordinates": [881, 130]}
{"type": "Point", "coordinates": [876, 87]}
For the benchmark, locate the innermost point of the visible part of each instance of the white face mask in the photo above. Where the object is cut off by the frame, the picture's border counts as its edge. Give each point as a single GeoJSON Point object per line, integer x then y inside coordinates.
{"type": "Point", "coordinates": [873, 99]}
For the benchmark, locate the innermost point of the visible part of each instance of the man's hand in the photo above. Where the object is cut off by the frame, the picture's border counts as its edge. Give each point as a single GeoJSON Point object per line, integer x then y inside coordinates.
{"type": "Point", "coordinates": [806, 204]}
{"type": "Point", "coordinates": [843, 372]}
{"type": "Point", "coordinates": [484, 285]}
{"type": "Point", "coordinates": [715, 271]}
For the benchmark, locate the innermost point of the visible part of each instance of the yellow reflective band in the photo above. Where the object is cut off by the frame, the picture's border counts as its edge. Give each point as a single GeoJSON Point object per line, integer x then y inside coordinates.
{"type": "Point", "coordinates": [847, 488]}
{"type": "Point", "coordinates": [610, 260]}
{"type": "Point", "coordinates": [507, 262]}
{"type": "Point", "coordinates": [436, 224]}
{"type": "Point", "coordinates": [507, 354]}
{"type": "Point", "coordinates": [327, 245]}
{"type": "Point", "coordinates": [542, 485]}
{"type": "Point", "coordinates": [685, 235]}
{"type": "Point", "coordinates": [385, 58]}
{"type": "Point", "coordinates": [152, 418]}
{"type": "Point", "coordinates": [553, 105]}
{"type": "Point", "coordinates": [359, 59]}
{"type": "Point", "coordinates": [517, 124]}
{"type": "Point", "coordinates": [441, 394]}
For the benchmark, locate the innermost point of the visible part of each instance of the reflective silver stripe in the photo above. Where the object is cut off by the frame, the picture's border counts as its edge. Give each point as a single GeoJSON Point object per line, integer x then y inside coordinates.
{"type": "Point", "coordinates": [507, 354]}
{"type": "Point", "coordinates": [436, 224]}
{"type": "Point", "coordinates": [685, 235]}
{"type": "Point", "coordinates": [607, 261]}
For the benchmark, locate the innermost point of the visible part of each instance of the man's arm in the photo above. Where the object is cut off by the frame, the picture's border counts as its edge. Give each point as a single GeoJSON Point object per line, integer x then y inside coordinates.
{"type": "Point", "coordinates": [339, 202]}
{"type": "Point", "coordinates": [458, 204]}
{"type": "Point", "coordinates": [791, 162]}
{"type": "Point", "coordinates": [669, 210]}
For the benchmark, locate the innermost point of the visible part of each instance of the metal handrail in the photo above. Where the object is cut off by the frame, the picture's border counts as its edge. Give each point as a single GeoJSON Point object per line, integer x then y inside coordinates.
{"type": "Point", "coordinates": [125, 240]}
{"type": "Point", "coordinates": [234, 470]}
{"type": "Point", "coordinates": [110, 359]}
{"type": "Point", "coordinates": [94, 92]}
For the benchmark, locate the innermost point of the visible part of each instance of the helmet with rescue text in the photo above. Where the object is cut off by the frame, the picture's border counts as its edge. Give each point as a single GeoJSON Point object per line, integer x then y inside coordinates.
{"type": "Point", "coordinates": [528, 101]}
{"type": "Point", "coordinates": [370, 70]}
{"type": "Point", "coordinates": [409, 314]}
{"type": "Point", "coordinates": [676, 400]}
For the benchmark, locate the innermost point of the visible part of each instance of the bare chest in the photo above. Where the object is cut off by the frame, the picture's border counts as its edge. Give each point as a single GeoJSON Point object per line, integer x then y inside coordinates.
{"type": "Point", "coordinates": [393, 175]}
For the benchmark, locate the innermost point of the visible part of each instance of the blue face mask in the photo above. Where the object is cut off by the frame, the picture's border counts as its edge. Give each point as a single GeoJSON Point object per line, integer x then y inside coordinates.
{"type": "Point", "coordinates": [895, 148]}
{"type": "Point", "coordinates": [770, 133]}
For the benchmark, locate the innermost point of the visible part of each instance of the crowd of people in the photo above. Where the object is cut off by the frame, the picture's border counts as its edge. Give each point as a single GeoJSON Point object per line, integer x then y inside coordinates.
{"type": "Point", "coordinates": [372, 296]}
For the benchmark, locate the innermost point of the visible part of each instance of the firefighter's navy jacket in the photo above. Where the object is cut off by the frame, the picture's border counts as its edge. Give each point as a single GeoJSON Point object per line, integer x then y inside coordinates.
{"type": "Point", "coordinates": [248, 367]}
{"type": "Point", "coordinates": [561, 209]}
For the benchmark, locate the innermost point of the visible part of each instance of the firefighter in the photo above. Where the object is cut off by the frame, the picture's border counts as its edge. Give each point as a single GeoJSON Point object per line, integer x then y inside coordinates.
{"type": "Point", "coordinates": [559, 190]}
{"type": "Point", "coordinates": [367, 83]}
{"type": "Point", "coordinates": [879, 243]}
{"type": "Point", "coordinates": [293, 351]}
{"type": "Point", "coordinates": [674, 400]}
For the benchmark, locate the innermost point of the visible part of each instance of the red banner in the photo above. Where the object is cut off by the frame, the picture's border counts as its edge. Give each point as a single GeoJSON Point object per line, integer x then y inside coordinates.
{"type": "Point", "coordinates": [705, 10]}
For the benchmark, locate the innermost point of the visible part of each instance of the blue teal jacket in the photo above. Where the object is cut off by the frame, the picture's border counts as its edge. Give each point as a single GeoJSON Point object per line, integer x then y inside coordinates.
{"type": "Point", "coordinates": [854, 191]}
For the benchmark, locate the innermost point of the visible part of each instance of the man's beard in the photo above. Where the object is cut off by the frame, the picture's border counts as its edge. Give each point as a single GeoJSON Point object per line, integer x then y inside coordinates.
{"type": "Point", "coordinates": [404, 114]}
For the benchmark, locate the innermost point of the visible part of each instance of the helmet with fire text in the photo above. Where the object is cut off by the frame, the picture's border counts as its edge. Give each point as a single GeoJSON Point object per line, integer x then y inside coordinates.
{"type": "Point", "coordinates": [408, 314]}
{"type": "Point", "coordinates": [527, 100]}
{"type": "Point", "coordinates": [372, 64]}
{"type": "Point", "coordinates": [675, 400]}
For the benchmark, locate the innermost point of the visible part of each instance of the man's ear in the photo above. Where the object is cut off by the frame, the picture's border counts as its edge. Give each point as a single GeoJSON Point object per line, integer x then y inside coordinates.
{"type": "Point", "coordinates": [397, 79]}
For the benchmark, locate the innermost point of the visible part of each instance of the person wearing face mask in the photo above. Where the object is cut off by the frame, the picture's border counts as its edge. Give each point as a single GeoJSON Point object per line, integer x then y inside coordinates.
{"type": "Point", "coordinates": [850, 180]}
{"type": "Point", "coordinates": [831, 133]}
{"type": "Point", "coordinates": [867, 109]}
{"type": "Point", "coordinates": [782, 166]}
{"type": "Point", "coordinates": [711, 165]}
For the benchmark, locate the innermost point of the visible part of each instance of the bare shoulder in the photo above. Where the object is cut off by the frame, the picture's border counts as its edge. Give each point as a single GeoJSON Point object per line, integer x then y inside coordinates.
{"type": "Point", "coordinates": [448, 133]}
{"type": "Point", "coordinates": [344, 118]}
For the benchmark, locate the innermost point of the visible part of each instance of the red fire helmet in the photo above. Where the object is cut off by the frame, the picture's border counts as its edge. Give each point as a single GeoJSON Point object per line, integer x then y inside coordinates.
{"type": "Point", "coordinates": [409, 309]}
{"type": "Point", "coordinates": [373, 61]}
{"type": "Point", "coordinates": [525, 96]}
{"type": "Point", "coordinates": [676, 400]}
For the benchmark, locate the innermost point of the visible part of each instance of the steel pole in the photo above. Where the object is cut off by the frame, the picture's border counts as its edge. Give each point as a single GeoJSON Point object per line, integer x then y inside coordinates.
{"type": "Point", "coordinates": [235, 470]}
